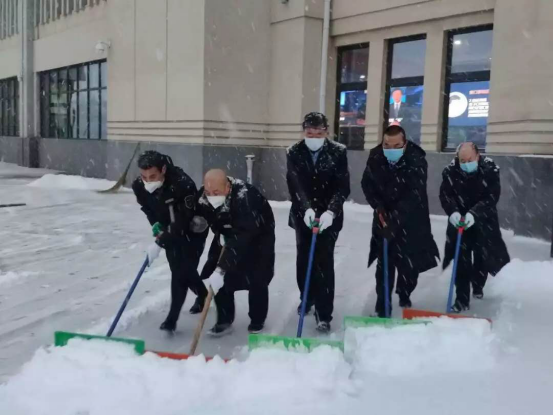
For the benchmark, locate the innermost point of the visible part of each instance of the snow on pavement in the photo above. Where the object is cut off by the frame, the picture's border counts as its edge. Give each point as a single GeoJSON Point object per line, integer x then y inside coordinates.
{"type": "Point", "coordinates": [77, 253]}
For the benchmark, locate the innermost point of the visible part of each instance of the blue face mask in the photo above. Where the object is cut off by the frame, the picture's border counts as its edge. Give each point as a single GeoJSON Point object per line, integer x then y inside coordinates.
{"type": "Point", "coordinates": [469, 167]}
{"type": "Point", "coordinates": [393, 154]}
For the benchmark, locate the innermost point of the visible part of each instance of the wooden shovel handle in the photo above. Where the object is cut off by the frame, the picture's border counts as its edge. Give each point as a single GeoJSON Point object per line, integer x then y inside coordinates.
{"type": "Point", "coordinates": [201, 323]}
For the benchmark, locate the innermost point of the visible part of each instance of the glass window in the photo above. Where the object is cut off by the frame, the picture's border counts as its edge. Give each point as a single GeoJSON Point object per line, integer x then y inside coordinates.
{"type": "Point", "coordinates": [351, 94]}
{"type": "Point", "coordinates": [354, 65]}
{"type": "Point", "coordinates": [408, 59]}
{"type": "Point", "coordinates": [74, 102]}
{"type": "Point", "coordinates": [406, 85]}
{"type": "Point", "coordinates": [468, 87]}
{"type": "Point", "coordinates": [472, 52]}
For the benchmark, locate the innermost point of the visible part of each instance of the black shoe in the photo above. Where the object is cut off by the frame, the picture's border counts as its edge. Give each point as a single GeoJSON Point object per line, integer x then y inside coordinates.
{"type": "Point", "coordinates": [405, 302]}
{"type": "Point", "coordinates": [168, 325]}
{"type": "Point", "coordinates": [479, 294]}
{"type": "Point", "coordinates": [307, 309]}
{"type": "Point", "coordinates": [459, 307]}
{"type": "Point", "coordinates": [198, 306]}
{"type": "Point", "coordinates": [219, 330]}
{"type": "Point", "coordinates": [323, 327]}
{"type": "Point", "coordinates": [255, 328]}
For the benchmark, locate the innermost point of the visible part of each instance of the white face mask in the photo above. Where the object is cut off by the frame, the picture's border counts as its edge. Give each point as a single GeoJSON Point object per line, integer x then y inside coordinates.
{"type": "Point", "coordinates": [152, 186]}
{"type": "Point", "coordinates": [314, 144]}
{"type": "Point", "coordinates": [216, 201]}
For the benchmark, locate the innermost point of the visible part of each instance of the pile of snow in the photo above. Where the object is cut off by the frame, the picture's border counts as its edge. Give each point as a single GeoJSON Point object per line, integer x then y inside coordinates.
{"type": "Point", "coordinates": [445, 345]}
{"type": "Point", "coordinates": [89, 377]}
{"type": "Point", "coordinates": [62, 181]}
{"type": "Point", "coordinates": [11, 277]}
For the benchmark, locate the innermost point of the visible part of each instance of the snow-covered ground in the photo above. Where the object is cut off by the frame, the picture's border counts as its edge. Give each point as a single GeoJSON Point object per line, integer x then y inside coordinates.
{"type": "Point", "coordinates": [69, 256]}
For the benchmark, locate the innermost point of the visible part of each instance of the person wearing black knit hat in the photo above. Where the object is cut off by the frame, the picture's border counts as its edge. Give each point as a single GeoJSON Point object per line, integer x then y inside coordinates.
{"type": "Point", "coordinates": [318, 182]}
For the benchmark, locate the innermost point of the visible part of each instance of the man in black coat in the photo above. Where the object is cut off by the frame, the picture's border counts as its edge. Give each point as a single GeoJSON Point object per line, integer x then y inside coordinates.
{"type": "Point", "coordinates": [394, 183]}
{"type": "Point", "coordinates": [469, 194]}
{"type": "Point", "coordinates": [242, 254]}
{"type": "Point", "coordinates": [167, 196]}
{"type": "Point", "coordinates": [318, 182]}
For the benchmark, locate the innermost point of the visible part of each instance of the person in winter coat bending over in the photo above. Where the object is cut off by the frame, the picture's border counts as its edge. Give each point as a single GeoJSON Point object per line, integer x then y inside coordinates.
{"type": "Point", "coordinates": [469, 194]}
{"type": "Point", "coordinates": [167, 196]}
{"type": "Point", "coordinates": [394, 183]}
{"type": "Point", "coordinates": [242, 254]}
{"type": "Point", "coordinates": [318, 182]}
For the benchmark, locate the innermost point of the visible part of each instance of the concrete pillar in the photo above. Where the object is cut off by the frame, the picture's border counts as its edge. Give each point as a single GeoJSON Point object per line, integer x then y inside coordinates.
{"type": "Point", "coordinates": [433, 99]}
{"type": "Point", "coordinates": [376, 84]}
{"type": "Point", "coordinates": [27, 102]}
{"type": "Point", "coordinates": [521, 99]}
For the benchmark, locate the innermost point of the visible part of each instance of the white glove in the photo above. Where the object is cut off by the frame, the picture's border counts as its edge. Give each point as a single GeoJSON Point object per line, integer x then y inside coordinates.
{"type": "Point", "coordinates": [326, 220]}
{"type": "Point", "coordinates": [216, 281]}
{"type": "Point", "coordinates": [455, 218]}
{"type": "Point", "coordinates": [153, 252]}
{"type": "Point", "coordinates": [221, 240]}
{"type": "Point", "coordinates": [469, 220]}
{"type": "Point", "coordinates": [309, 217]}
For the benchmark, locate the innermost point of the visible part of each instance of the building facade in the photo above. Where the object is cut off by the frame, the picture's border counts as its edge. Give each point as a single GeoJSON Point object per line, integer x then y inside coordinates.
{"type": "Point", "coordinates": [210, 81]}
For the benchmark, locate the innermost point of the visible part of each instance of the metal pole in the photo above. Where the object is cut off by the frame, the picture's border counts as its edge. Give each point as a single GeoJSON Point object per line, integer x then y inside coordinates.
{"type": "Point", "coordinates": [324, 57]}
{"type": "Point", "coordinates": [249, 163]}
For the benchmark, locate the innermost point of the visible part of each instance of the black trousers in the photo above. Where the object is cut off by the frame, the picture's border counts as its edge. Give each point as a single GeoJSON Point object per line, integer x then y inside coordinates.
{"type": "Point", "coordinates": [407, 278]}
{"type": "Point", "coordinates": [470, 269]}
{"type": "Point", "coordinates": [183, 261]}
{"type": "Point", "coordinates": [321, 289]}
{"type": "Point", "coordinates": [258, 299]}
{"type": "Point", "coordinates": [254, 275]}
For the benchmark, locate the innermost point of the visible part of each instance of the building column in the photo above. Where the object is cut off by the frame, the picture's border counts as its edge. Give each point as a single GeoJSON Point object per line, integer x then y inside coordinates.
{"type": "Point", "coordinates": [376, 83]}
{"type": "Point", "coordinates": [27, 127]}
{"type": "Point", "coordinates": [433, 99]}
{"type": "Point", "coordinates": [521, 98]}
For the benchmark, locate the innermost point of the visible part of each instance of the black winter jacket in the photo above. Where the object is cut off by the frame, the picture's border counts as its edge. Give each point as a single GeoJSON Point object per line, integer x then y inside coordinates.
{"type": "Point", "coordinates": [322, 186]}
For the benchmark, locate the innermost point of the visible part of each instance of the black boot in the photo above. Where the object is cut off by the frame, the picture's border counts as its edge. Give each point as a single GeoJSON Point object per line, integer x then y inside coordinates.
{"type": "Point", "coordinates": [168, 325]}
{"type": "Point", "coordinates": [219, 330]}
{"type": "Point", "coordinates": [198, 306]}
{"type": "Point", "coordinates": [478, 293]}
{"type": "Point", "coordinates": [308, 309]}
{"type": "Point", "coordinates": [255, 328]}
{"type": "Point", "coordinates": [405, 302]}
{"type": "Point", "coordinates": [459, 307]}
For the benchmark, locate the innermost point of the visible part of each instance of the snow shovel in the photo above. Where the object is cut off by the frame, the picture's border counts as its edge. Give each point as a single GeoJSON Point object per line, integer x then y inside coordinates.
{"type": "Point", "coordinates": [387, 321]}
{"type": "Point", "coordinates": [262, 340]}
{"type": "Point", "coordinates": [62, 337]}
{"type": "Point", "coordinates": [412, 313]}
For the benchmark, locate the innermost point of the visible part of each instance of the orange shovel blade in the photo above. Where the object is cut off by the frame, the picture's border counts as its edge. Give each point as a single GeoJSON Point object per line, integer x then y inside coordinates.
{"type": "Point", "coordinates": [409, 314]}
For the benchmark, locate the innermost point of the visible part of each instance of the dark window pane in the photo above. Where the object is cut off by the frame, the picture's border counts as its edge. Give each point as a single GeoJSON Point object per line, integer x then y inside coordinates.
{"type": "Point", "coordinates": [44, 105]}
{"type": "Point", "coordinates": [73, 80]}
{"type": "Point", "coordinates": [94, 114]}
{"type": "Point", "coordinates": [94, 75]}
{"type": "Point", "coordinates": [104, 117]}
{"type": "Point", "coordinates": [63, 81]}
{"type": "Point", "coordinates": [408, 59]}
{"type": "Point", "coordinates": [83, 77]}
{"type": "Point", "coordinates": [83, 114]}
{"type": "Point", "coordinates": [472, 52]}
{"type": "Point", "coordinates": [73, 116]}
{"type": "Point", "coordinates": [54, 82]}
{"type": "Point", "coordinates": [352, 119]}
{"type": "Point", "coordinates": [53, 108]}
{"type": "Point", "coordinates": [468, 113]}
{"type": "Point", "coordinates": [355, 64]}
{"type": "Point", "coordinates": [405, 109]}
{"type": "Point", "coordinates": [104, 74]}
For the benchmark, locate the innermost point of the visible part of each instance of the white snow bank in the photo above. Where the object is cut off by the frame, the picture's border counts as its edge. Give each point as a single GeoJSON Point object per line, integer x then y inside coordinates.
{"type": "Point", "coordinates": [446, 345]}
{"type": "Point", "coordinates": [108, 378]}
{"type": "Point", "coordinates": [62, 181]}
{"type": "Point", "coordinates": [10, 277]}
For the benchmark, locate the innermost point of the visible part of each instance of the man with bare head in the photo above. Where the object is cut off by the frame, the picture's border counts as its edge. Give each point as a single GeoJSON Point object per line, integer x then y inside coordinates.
{"type": "Point", "coordinates": [469, 194]}
{"type": "Point", "coordinates": [243, 223]}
